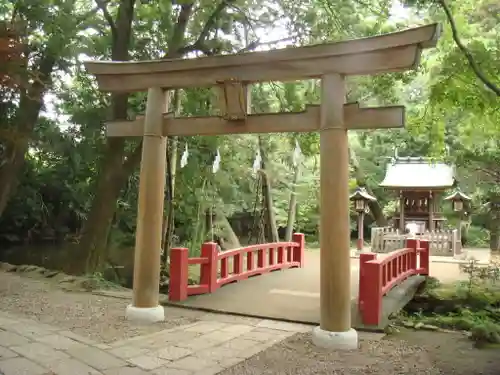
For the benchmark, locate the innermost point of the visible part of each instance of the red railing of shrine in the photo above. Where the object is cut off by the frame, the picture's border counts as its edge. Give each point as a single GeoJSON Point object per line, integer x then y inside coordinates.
{"type": "Point", "coordinates": [379, 276]}
{"type": "Point", "coordinates": [245, 262]}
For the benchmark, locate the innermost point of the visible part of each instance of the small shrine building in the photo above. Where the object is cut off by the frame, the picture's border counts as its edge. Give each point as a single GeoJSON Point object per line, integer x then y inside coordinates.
{"type": "Point", "coordinates": [420, 184]}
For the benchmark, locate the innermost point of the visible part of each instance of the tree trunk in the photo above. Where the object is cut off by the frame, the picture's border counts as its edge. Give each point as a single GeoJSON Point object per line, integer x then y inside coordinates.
{"type": "Point", "coordinates": [168, 223]}
{"type": "Point", "coordinates": [10, 169]}
{"type": "Point", "coordinates": [112, 177]}
{"type": "Point", "coordinates": [271, 229]}
{"type": "Point", "coordinates": [115, 166]}
{"type": "Point", "coordinates": [227, 232]}
{"type": "Point", "coordinates": [359, 175]}
{"type": "Point", "coordinates": [172, 154]}
{"type": "Point", "coordinates": [16, 144]}
{"type": "Point", "coordinates": [292, 205]}
{"type": "Point", "coordinates": [495, 230]}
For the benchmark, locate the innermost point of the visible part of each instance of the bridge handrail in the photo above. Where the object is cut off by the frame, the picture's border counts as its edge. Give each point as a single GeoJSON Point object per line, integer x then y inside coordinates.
{"type": "Point", "coordinates": [280, 255]}
{"type": "Point", "coordinates": [378, 276]}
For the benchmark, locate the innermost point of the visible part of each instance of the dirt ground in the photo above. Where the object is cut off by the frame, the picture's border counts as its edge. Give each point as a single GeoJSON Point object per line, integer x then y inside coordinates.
{"type": "Point", "coordinates": [100, 318]}
{"type": "Point", "coordinates": [415, 353]}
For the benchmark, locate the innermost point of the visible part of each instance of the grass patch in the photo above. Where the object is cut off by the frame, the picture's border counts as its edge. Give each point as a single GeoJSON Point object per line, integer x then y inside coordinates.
{"type": "Point", "coordinates": [472, 305]}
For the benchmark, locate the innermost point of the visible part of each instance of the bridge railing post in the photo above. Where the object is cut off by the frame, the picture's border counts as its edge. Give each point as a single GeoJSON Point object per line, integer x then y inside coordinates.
{"type": "Point", "coordinates": [414, 244]}
{"type": "Point", "coordinates": [370, 289]}
{"type": "Point", "coordinates": [178, 285]}
{"type": "Point", "coordinates": [209, 270]}
{"type": "Point", "coordinates": [298, 252]}
{"type": "Point", "coordinates": [424, 257]}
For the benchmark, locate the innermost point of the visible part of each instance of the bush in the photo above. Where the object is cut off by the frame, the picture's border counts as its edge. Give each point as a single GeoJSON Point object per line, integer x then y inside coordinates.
{"type": "Point", "coordinates": [472, 305]}
{"type": "Point", "coordinates": [477, 237]}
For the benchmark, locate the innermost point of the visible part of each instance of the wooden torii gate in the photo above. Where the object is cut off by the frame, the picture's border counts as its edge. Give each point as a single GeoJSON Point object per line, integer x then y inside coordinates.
{"type": "Point", "coordinates": [332, 118]}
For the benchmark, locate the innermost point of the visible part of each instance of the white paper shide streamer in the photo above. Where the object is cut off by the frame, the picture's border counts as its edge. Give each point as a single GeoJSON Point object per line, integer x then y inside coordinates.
{"type": "Point", "coordinates": [257, 162]}
{"type": "Point", "coordinates": [184, 157]}
{"type": "Point", "coordinates": [296, 154]}
{"type": "Point", "coordinates": [216, 165]}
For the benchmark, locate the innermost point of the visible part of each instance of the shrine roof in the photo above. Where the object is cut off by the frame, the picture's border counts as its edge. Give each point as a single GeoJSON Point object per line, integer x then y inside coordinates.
{"type": "Point", "coordinates": [418, 173]}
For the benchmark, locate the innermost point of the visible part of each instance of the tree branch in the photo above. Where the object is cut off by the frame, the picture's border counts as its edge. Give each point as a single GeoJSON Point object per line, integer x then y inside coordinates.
{"type": "Point", "coordinates": [103, 6]}
{"type": "Point", "coordinates": [477, 70]}
{"type": "Point", "coordinates": [179, 31]}
{"type": "Point", "coordinates": [200, 43]}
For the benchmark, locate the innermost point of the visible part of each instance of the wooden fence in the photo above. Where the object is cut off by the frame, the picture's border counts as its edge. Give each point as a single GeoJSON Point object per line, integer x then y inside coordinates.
{"type": "Point", "coordinates": [441, 242]}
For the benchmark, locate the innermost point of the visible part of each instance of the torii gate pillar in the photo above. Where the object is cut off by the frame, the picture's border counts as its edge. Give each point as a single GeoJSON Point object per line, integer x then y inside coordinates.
{"type": "Point", "coordinates": [335, 270]}
{"type": "Point", "coordinates": [147, 256]}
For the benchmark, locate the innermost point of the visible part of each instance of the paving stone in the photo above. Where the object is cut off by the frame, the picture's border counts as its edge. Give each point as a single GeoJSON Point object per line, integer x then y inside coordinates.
{"type": "Point", "coordinates": [198, 343]}
{"type": "Point", "coordinates": [230, 319]}
{"type": "Point", "coordinates": [230, 361]}
{"type": "Point", "coordinates": [218, 354]}
{"type": "Point", "coordinates": [59, 342]}
{"type": "Point", "coordinates": [239, 344]}
{"type": "Point", "coordinates": [173, 353]}
{"type": "Point", "coordinates": [266, 336]}
{"type": "Point", "coordinates": [148, 362]}
{"type": "Point", "coordinates": [126, 352]}
{"type": "Point", "coordinates": [137, 339]}
{"type": "Point", "coordinates": [79, 338]}
{"type": "Point", "coordinates": [220, 336]}
{"type": "Point", "coordinates": [178, 336]}
{"type": "Point", "coordinates": [253, 350]}
{"type": "Point", "coordinates": [173, 333]}
{"type": "Point", "coordinates": [27, 330]}
{"type": "Point", "coordinates": [12, 339]}
{"type": "Point", "coordinates": [96, 358]}
{"type": "Point", "coordinates": [21, 366]}
{"type": "Point", "coordinates": [238, 328]}
{"type": "Point", "coordinates": [192, 363]}
{"type": "Point", "coordinates": [72, 367]}
{"type": "Point", "coordinates": [5, 321]}
{"type": "Point", "coordinates": [39, 353]}
{"type": "Point", "coordinates": [170, 371]}
{"type": "Point", "coordinates": [214, 370]}
{"type": "Point", "coordinates": [126, 370]}
{"type": "Point", "coordinates": [205, 327]}
{"type": "Point", "coordinates": [102, 346]}
{"type": "Point", "coordinates": [160, 341]}
{"type": "Point", "coordinates": [6, 353]}
{"type": "Point", "coordinates": [284, 326]}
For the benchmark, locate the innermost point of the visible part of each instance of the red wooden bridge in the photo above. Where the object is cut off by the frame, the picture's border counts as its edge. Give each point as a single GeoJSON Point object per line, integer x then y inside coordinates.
{"type": "Point", "coordinates": [380, 284]}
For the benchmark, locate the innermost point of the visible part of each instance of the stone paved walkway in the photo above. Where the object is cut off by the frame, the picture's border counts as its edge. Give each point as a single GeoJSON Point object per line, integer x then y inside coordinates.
{"type": "Point", "coordinates": [206, 347]}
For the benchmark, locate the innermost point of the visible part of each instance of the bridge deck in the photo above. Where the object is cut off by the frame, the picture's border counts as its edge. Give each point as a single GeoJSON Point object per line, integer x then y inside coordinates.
{"type": "Point", "coordinates": [290, 294]}
{"type": "Point", "coordinates": [293, 294]}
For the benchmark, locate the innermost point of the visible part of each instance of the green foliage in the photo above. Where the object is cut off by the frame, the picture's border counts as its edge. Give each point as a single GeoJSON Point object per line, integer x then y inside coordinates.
{"type": "Point", "coordinates": [472, 305]}
{"type": "Point", "coordinates": [57, 183]}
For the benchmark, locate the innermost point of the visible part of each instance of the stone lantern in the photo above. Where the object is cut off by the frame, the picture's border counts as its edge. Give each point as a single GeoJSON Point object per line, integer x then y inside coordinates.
{"type": "Point", "coordinates": [360, 199]}
{"type": "Point", "coordinates": [458, 202]}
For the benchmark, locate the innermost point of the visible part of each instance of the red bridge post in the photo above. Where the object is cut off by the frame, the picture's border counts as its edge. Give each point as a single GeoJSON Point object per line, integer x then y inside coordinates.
{"type": "Point", "coordinates": [178, 285]}
{"type": "Point", "coordinates": [370, 289]}
{"type": "Point", "coordinates": [209, 270]}
{"type": "Point", "coordinates": [298, 252]}
{"type": "Point", "coordinates": [424, 252]}
{"type": "Point", "coordinates": [414, 244]}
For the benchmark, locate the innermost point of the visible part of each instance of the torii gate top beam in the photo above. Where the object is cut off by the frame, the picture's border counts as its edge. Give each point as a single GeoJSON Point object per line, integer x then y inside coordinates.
{"type": "Point", "coordinates": [385, 53]}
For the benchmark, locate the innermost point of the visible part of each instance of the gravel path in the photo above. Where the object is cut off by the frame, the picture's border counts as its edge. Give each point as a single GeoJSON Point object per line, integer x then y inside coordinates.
{"type": "Point", "coordinates": [298, 355]}
{"type": "Point", "coordinates": [100, 318]}
{"type": "Point", "coordinates": [412, 353]}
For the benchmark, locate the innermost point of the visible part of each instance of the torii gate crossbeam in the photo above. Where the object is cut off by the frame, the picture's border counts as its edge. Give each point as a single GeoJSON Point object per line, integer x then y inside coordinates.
{"type": "Point", "coordinates": [231, 74]}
